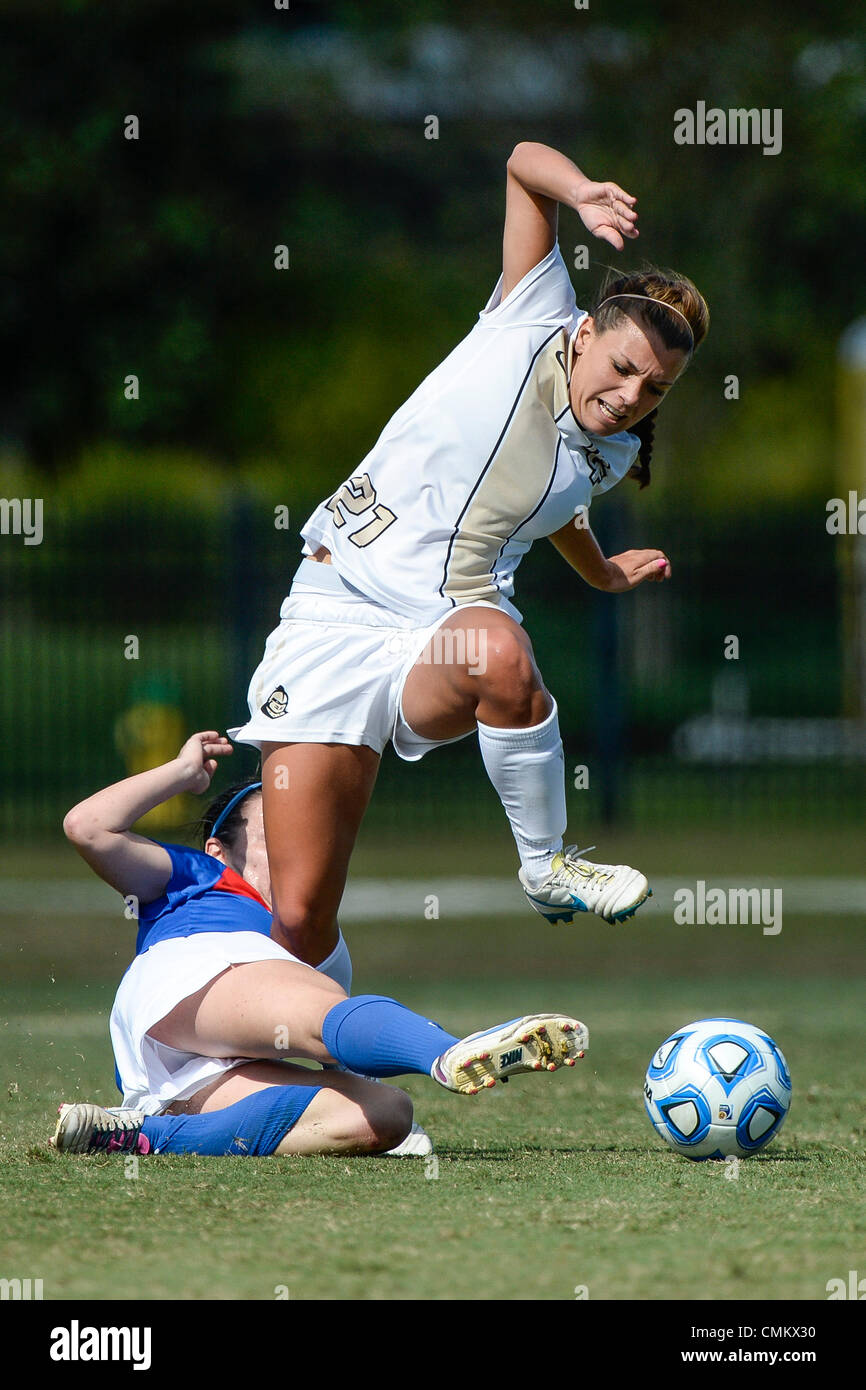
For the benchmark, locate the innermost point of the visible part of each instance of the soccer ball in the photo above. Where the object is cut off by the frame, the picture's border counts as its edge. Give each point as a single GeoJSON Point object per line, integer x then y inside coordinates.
{"type": "Point", "coordinates": [718, 1087]}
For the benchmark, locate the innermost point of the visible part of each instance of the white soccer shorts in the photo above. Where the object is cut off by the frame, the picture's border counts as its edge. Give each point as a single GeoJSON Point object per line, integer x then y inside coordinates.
{"type": "Point", "coordinates": [154, 1074]}
{"type": "Point", "coordinates": [334, 669]}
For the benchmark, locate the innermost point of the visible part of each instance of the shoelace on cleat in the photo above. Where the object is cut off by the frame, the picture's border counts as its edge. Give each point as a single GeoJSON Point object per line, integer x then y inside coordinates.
{"type": "Point", "coordinates": [122, 1137]}
{"type": "Point", "coordinates": [583, 871]}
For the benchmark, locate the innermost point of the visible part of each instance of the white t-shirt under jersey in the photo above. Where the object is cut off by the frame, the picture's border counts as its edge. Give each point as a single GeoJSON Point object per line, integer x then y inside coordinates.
{"type": "Point", "coordinates": [483, 458]}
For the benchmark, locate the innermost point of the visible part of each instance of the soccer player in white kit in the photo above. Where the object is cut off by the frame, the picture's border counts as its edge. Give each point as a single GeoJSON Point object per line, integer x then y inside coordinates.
{"type": "Point", "coordinates": [399, 624]}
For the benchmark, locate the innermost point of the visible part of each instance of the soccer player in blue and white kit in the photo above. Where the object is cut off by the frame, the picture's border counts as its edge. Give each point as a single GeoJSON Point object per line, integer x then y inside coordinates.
{"type": "Point", "coordinates": [399, 624]}
{"type": "Point", "coordinates": [211, 1006]}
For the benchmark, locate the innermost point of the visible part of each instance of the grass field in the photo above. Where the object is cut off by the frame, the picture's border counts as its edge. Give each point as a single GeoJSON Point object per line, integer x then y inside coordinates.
{"type": "Point", "coordinates": [558, 1177]}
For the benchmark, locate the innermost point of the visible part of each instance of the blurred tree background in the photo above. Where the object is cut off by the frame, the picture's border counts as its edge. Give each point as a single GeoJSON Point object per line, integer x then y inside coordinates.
{"type": "Point", "coordinates": [261, 387]}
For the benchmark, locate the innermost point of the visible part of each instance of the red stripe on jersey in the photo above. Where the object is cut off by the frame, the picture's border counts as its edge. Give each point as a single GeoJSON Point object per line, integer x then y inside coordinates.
{"type": "Point", "coordinates": [231, 882]}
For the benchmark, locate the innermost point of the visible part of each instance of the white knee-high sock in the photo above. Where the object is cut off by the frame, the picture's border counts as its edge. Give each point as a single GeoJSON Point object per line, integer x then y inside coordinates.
{"type": "Point", "coordinates": [338, 966]}
{"type": "Point", "coordinates": [527, 768]}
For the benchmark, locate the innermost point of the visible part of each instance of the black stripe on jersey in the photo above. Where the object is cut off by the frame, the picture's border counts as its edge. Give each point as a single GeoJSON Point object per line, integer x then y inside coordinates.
{"type": "Point", "coordinates": [537, 508]}
{"type": "Point", "coordinates": [455, 533]}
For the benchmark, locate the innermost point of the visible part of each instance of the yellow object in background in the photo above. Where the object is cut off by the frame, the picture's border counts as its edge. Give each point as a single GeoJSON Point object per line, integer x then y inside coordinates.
{"type": "Point", "coordinates": [151, 732]}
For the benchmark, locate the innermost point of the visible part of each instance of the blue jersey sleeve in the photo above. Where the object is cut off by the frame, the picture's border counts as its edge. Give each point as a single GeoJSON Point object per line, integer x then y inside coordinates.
{"type": "Point", "coordinates": [191, 870]}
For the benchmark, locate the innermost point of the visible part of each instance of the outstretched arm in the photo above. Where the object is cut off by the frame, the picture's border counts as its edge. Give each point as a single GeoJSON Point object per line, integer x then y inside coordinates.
{"type": "Point", "coordinates": [99, 827]}
{"type": "Point", "coordinates": [538, 180]}
{"type": "Point", "coordinates": [615, 575]}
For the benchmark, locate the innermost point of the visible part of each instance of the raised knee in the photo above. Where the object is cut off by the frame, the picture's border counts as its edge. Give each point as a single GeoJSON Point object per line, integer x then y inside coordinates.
{"type": "Point", "coordinates": [297, 912]}
{"type": "Point", "coordinates": [302, 927]}
{"type": "Point", "coordinates": [510, 680]}
{"type": "Point", "coordinates": [384, 1121]}
{"type": "Point", "coordinates": [395, 1124]}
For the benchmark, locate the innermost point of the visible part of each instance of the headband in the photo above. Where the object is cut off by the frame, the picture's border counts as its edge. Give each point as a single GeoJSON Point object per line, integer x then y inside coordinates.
{"type": "Point", "coordinates": [660, 304]}
{"type": "Point", "coordinates": [227, 810]}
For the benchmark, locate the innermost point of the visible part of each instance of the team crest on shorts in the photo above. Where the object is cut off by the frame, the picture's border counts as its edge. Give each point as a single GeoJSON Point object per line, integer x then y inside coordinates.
{"type": "Point", "coordinates": [276, 703]}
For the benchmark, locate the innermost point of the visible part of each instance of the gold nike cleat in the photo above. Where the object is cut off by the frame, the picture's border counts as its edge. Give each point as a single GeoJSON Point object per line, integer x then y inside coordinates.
{"type": "Point", "coordinates": [538, 1042]}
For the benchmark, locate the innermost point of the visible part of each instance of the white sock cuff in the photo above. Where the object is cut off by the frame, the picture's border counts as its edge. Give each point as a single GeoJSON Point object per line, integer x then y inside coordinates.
{"type": "Point", "coordinates": [537, 736]}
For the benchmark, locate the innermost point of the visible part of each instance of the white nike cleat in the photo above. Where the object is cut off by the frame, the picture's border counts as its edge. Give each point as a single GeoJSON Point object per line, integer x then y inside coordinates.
{"type": "Point", "coordinates": [417, 1144]}
{"type": "Point", "coordinates": [85, 1128]}
{"type": "Point", "coordinates": [613, 891]}
{"type": "Point", "coordinates": [538, 1042]}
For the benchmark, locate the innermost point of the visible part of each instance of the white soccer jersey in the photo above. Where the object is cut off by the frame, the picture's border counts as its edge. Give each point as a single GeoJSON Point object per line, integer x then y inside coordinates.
{"type": "Point", "coordinates": [485, 457]}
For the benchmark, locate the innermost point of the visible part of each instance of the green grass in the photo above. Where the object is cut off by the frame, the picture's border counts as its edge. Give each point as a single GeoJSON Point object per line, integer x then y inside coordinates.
{"type": "Point", "coordinates": [558, 1177]}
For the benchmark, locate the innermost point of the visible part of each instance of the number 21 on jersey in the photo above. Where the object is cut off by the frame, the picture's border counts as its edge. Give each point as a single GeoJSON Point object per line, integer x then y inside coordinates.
{"type": "Point", "coordinates": [356, 497]}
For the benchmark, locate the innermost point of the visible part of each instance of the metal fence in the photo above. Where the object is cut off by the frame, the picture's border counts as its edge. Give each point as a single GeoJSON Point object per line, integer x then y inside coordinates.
{"type": "Point", "coordinates": [711, 698]}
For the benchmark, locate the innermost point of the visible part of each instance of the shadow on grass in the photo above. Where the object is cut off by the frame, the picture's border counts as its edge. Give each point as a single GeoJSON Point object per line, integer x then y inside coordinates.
{"type": "Point", "coordinates": [577, 1151]}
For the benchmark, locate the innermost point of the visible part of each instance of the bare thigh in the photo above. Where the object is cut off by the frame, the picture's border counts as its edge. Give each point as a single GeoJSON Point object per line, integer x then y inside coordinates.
{"type": "Point", "coordinates": [349, 1115]}
{"type": "Point", "coordinates": [262, 1008]}
{"type": "Point", "coordinates": [314, 799]}
{"type": "Point", "coordinates": [478, 667]}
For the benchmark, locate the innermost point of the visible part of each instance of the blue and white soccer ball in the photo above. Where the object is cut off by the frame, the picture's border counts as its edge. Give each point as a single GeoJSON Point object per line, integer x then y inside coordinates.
{"type": "Point", "coordinates": [716, 1088]}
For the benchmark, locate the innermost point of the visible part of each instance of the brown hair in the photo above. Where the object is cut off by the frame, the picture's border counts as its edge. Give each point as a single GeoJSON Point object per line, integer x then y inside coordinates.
{"type": "Point", "coordinates": [229, 831]}
{"type": "Point", "coordinates": [666, 288]}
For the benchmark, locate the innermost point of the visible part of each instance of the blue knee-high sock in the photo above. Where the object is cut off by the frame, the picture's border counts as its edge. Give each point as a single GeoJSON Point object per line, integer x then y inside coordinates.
{"type": "Point", "coordinates": [251, 1128]}
{"type": "Point", "coordinates": [379, 1037]}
